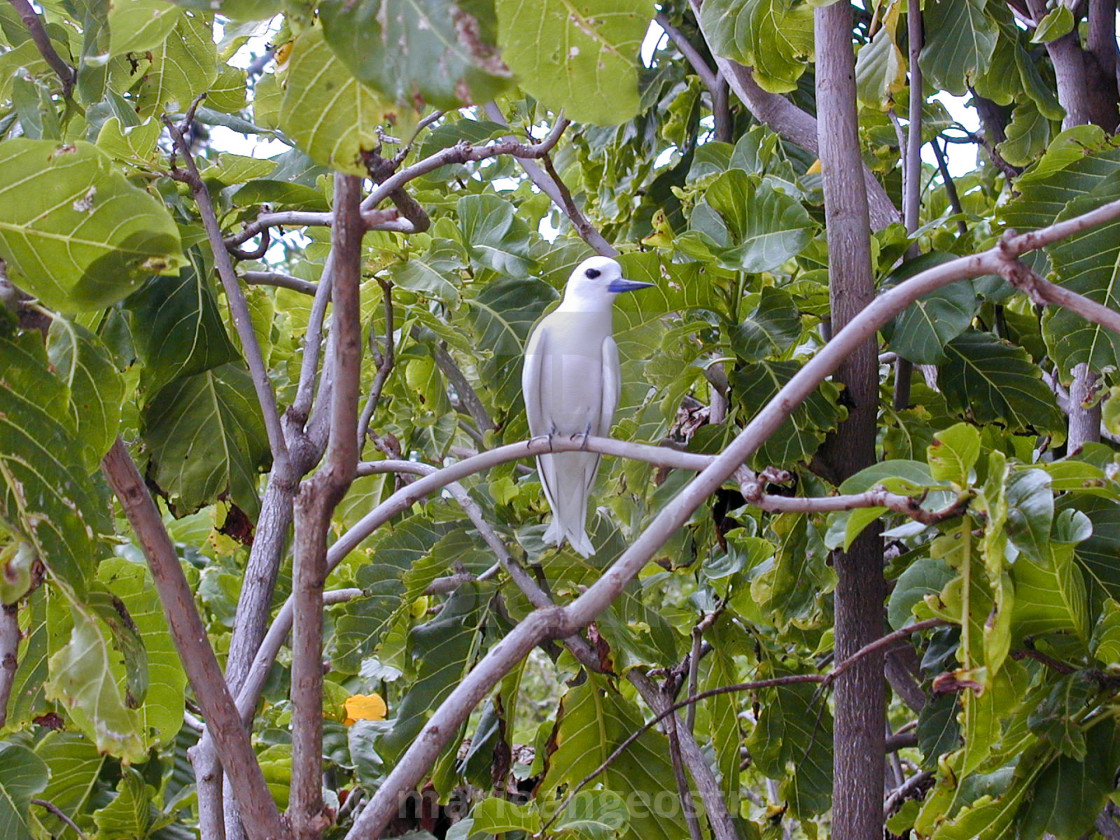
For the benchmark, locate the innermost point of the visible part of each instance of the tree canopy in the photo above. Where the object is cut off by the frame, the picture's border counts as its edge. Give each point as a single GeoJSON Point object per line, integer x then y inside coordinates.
{"type": "Point", "coordinates": [271, 557]}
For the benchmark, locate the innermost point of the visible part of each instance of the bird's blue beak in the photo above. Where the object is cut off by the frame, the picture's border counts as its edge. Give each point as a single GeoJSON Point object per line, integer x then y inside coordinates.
{"type": "Point", "coordinates": [624, 285]}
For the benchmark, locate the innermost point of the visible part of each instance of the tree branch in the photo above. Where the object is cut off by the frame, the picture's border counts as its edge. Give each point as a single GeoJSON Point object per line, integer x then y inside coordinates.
{"type": "Point", "coordinates": [189, 634]}
{"type": "Point", "coordinates": [314, 505]}
{"type": "Point", "coordinates": [9, 655]}
{"type": "Point", "coordinates": [384, 366]}
{"type": "Point", "coordinates": [283, 281]}
{"type": "Point", "coordinates": [463, 152]}
{"type": "Point", "coordinates": [238, 308]}
{"type": "Point", "coordinates": [62, 815]}
{"type": "Point", "coordinates": [66, 74]}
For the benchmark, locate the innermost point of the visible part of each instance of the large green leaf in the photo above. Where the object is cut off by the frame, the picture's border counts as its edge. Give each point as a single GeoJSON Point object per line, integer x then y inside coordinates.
{"type": "Point", "coordinates": [921, 331]}
{"type": "Point", "coordinates": [990, 380]}
{"type": "Point", "coordinates": [960, 38]}
{"type": "Point", "coordinates": [792, 741]}
{"type": "Point", "coordinates": [428, 51]}
{"type": "Point", "coordinates": [22, 775]}
{"type": "Point", "coordinates": [752, 226]}
{"type": "Point", "coordinates": [754, 385]}
{"type": "Point", "coordinates": [501, 316]}
{"type": "Point", "coordinates": [494, 236]}
{"type": "Point", "coordinates": [1050, 594]}
{"type": "Point", "coordinates": [445, 649]}
{"type": "Point", "coordinates": [184, 64]}
{"type": "Point", "coordinates": [46, 496]}
{"type": "Point", "coordinates": [773, 37]}
{"type": "Point", "coordinates": [773, 327]}
{"type": "Point", "coordinates": [161, 713]}
{"type": "Point", "coordinates": [74, 232]}
{"type": "Point", "coordinates": [97, 390]}
{"type": "Point", "coordinates": [82, 679]}
{"type": "Point", "coordinates": [126, 817]}
{"type": "Point", "coordinates": [75, 764]}
{"type": "Point", "coordinates": [141, 25]}
{"type": "Point", "coordinates": [28, 698]}
{"type": "Point", "coordinates": [328, 113]}
{"type": "Point", "coordinates": [577, 55]}
{"type": "Point", "coordinates": [206, 436]}
{"type": "Point", "coordinates": [177, 329]}
{"type": "Point", "coordinates": [594, 720]}
{"type": "Point", "coordinates": [1066, 781]}
{"type": "Point", "coordinates": [1087, 263]}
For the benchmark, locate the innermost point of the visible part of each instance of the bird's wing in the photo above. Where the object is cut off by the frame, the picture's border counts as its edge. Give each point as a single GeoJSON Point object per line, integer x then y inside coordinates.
{"type": "Point", "coordinates": [532, 380]}
{"type": "Point", "coordinates": [612, 386]}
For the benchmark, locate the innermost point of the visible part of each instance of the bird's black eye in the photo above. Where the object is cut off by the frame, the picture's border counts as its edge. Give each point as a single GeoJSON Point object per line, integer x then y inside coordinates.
{"type": "Point", "coordinates": [592, 273]}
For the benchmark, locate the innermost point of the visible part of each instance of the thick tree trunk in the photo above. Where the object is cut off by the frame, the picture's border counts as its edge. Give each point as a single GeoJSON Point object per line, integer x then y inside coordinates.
{"type": "Point", "coordinates": [857, 810]}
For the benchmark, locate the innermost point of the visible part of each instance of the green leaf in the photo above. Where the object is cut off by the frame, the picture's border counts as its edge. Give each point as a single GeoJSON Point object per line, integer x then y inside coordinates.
{"type": "Point", "coordinates": [921, 331]}
{"type": "Point", "coordinates": [497, 816]}
{"type": "Point", "coordinates": [594, 719]}
{"type": "Point", "coordinates": [328, 113]}
{"type": "Point", "coordinates": [577, 56]}
{"type": "Point", "coordinates": [1050, 593]}
{"type": "Point", "coordinates": [177, 329]}
{"type": "Point", "coordinates": [494, 236]}
{"type": "Point", "coordinates": [773, 327]}
{"type": "Point", "coordinates": [126, 816]}
{"type": "Point", "coordinates": [1087, 263]}
{"type": "Point", "coordinates": [501, 316]}
{"type": "Point", "coordinates": [802, 433]}
{"type": "Point", "coordinates": [28, 698]}
{"type": "Point", "coordinates": [773, 37]}
{"type": "Point", "coordinates": [792, 741]}
{"type": "Point", "coordinates": [22, 775]}
{"type": "Point", "coordinates": [74, 232]}
{"type": "Point", "coordinates": [990, 380]}
{"type": "Point", "coordinates": [1105, 643]}
{"type": "Point", "coordinates": [444, 649]}
{"type": "Point", "coordinates": [161, 714]}
{"type": "Point", "coordinates": [954, 453]}
{"type": "Point", "coordinates": [880, 68]}
{"type": "Point", "coordinates": [1030, 513]}
{"type": "Point", "coordinates": [908, 478]}
{"type": "Point", "coordinates": [184, 64]}
{"type": "Point", "coordinates": [205, 436]}
{"type": "Point", "coordinates": [1055, 24]}
{"type": "Point", "coordinates": [141, 25]}
{"type": "Point", "coordinates": [361, 624]}
{"type": "Point", "coordinates": [925, 576]}
{"type": "Point", "coordinates": [81, 678]}
{"type": "Point", "coordinates": [75, 765]}
{"type": "Point", "coordinates": [761, 227]}
{"type": "Point", "coordinates": [434, 274]}
{"type": "Point", "coordinates": [960, 38]}
{"type": "Point", "coordinates": [428, 51]}
{"type": "Point", "coordinates": [594, 814]}
{"type": "Point", "coordinates": [1026, 135]}
{"type": "Point", "coordinates": [46, 497]}
{"type": "Point", "coordinates": [97, 390]}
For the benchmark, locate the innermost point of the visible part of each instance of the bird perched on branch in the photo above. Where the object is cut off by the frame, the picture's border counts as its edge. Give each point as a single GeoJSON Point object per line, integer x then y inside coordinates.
{"type": "Point", "coordinates": [571, 387]}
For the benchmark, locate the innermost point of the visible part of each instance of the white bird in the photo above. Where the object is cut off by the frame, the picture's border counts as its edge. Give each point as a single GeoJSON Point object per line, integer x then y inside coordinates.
{"type": "Point", "coordinates": [571, 387]}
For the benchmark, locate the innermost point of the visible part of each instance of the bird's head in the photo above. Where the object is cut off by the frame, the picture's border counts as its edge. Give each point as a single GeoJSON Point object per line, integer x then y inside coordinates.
{"type": "Point", "coordinates": [596, 282]}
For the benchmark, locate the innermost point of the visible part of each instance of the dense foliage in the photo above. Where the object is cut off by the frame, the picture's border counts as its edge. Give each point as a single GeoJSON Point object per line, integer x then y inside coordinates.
{"type": "Point", "coordinates": [1001, 520]}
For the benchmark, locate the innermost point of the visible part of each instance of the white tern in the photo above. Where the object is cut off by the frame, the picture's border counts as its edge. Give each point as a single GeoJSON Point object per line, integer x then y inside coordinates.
{"type": "Point", "coordinates": [571, 387]}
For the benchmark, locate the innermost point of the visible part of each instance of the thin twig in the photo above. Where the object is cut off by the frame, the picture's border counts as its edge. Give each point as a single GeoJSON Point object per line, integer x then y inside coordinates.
{"type": "Point", "coordinates": [950, 187]}
{"type": "Point", "coordinates": [238, 307]}
{"type": "Point", "coordinates": [62, 815]}
{"type": "Point", "coordinates": [384, 366]}
{"type": "Point", "coordinates": [283, 281]}
{"type": "Point", "coordinates": [66, 74]}
{"type": "Point", "coordinates": [905, 790]}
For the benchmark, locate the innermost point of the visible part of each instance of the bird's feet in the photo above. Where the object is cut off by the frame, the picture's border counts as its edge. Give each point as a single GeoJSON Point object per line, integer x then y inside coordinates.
{"type": "Point", "coordinates": [585, 434]}
{"type": "Point", "coordinates": [539, 438]}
